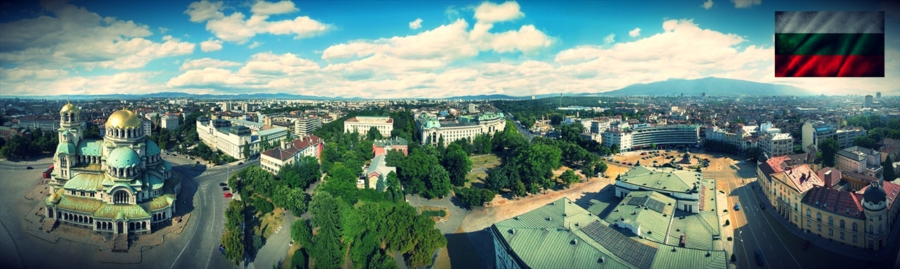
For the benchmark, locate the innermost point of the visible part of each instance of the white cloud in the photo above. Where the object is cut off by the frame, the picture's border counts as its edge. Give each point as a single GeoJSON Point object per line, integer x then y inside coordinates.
{"type": "Point", "coordinates": [163, 30]}
{"type": "Point", "coordinates": [416, 24]}
{"type": "Point", "coordinates": [255, 45]}
{"type": "Point", "coordinates": [634, 33]}
{"type": "Point", "coordinates": [76, 37]}
{"type": "Point", "coordinates": [207, 62]}
{"type": "Point", "coordinates": [204, 11]}
{"type": "Point", "coordinates": [25, 74]}
{"type": "Point", "coordinates": [211, 45]}
{"type": "Point", "coordinates": [266, 8]}
{"type": "Point", "coordinates": [708, 4]}
{"type": "Point", "coordinates": [238, 28]}
{"type": "Point", "coordinates": [489, 12]}
{"type": "Point", "coordinates": [745, 3]}
{"type": "Point", "coordinates": [124, 82]}
{"type": "Point", "coordinates": [609, 39]}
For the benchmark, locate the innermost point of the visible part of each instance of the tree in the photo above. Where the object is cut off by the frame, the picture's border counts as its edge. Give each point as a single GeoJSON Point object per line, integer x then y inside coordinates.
{"type": "Point", "coordinates": [497, 179]}
{"type": "Point", "coordinates": [298, 260]}
{"type": "Point", "coordinates": [569, 177]}
{"type": "Point", "coordinates": [864, 141]}
{"type": "Point", "coordinates": [327, 246]}
{"type": "Point", "coordinates": [653, 146]}
{"type": "Point", "coordinates": [301, 233]}
{"type": "Point", "coordinates": [246, 150]}
{"type": "Point", "coordinates": [232, 239]}
{"type": "Point", "coordinates": [438, 183]}
{"type": "Point", "coordinates": [262, 206]}
{"type": "Point", "coordinates": [458, 164]}
{"type": "Point", "coordinates": [394, 158]}
{"type": "Point", "coordinates": [473, 197]}
{"type": "Point", "coordinates": [341, 182]}
{"type": "Point", "coordinates": [829, 148]}
{"type": "Point", "coordinates": [373, 134]}
{"type": "Point", "coordinates": [588, 170]}
{"type": "Point", "coordinates": [888, 166]}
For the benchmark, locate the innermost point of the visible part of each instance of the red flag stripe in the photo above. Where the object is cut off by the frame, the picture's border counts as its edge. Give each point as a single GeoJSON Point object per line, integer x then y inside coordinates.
{"type": "Point", "coordinates": [829, 66]}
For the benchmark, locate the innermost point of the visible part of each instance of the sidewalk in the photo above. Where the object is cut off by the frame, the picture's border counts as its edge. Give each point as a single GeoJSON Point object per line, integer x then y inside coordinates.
{"type": "Point", "coordinates": [836, 247]}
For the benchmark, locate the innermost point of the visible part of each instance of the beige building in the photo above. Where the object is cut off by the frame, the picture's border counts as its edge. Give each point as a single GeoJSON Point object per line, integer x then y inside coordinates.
{"type": "Point", "coordinates": [361, 125]}
{"type": "Point", "coordinates": [776, 144]}
{"type": "Point", "coordinates": [862, 219]}
{"type": "Point", "coordinates": [785, 185]}
{"type": "Point", "coordinates": [860, 160]}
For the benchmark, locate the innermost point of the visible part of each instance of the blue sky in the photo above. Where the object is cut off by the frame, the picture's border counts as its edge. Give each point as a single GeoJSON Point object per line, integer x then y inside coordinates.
{"type": "Point", "coordinates": [388, 49]}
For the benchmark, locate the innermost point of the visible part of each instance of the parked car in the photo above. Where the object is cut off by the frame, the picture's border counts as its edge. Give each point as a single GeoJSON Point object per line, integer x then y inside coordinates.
{"type": "Point", "coordinates": [223, 184]}
{"type": "Point", "coordinates": [240, 163]}
{"type": "Point", "coordinates": [805, 245]}
{"type": "Point", "coordinates": [762, 206]}
{"type": "Point", "coordinates": [737, 207]}
{"type": "Point", "coordinates": [225, 189]}
{"type": "Point", "coordinates": [29, 168]}
{"type": "Point", "coordinates": [228, 195]}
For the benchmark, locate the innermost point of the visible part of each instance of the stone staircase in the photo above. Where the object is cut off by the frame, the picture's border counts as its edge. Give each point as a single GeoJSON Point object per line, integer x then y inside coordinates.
{"type": "Point", "coordinates": [120, 243]}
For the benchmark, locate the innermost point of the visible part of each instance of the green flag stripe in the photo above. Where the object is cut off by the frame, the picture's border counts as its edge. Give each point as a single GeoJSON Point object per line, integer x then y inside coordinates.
{"type": "Point", "coordinates": [829, 44]}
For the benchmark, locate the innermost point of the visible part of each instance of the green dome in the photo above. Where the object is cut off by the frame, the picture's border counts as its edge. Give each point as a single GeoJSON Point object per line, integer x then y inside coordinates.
{"type": "Point", "coordinates": [65, 148]}
{"type": "Point", "coordinates": [123, 157]}
{"type": "Point", "coordinates": [152, 148]}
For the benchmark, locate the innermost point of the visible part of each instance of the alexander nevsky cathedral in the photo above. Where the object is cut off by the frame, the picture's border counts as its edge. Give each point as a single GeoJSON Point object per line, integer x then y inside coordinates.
{"type": "Point", "coordinates": [117, 185]}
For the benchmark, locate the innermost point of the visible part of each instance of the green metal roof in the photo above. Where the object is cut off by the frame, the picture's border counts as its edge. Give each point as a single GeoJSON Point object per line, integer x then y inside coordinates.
{"type": "Point", "coordinates": [152, 148]}
{"type": "Point", "coordinates": [65, 148]}
{"type": "Point", "coordinates": [122, 157]}
{"type": "Point", "coordinates": [79, 204]}
{"type": "Point", "coordinates": [662, 179]}
{"type": "Point", "coordinates": [119, 184]}
{"type": "Point", "coordinates": [162, 201]}
{"type": "Point", "coordinates": [154, 180]}
{"type": "Point", "coordinates": [131, 212]}
{"type": "Point", "coordinates": [688, 258]}
{"type": "Point", "coordinates": [85, 182]}
{"type": "Point", "coordinates": [543, 238]}
{"type": "Point", "coordinates": [90, 147]}
{"type": "Point", "coordinates": [654, 225]}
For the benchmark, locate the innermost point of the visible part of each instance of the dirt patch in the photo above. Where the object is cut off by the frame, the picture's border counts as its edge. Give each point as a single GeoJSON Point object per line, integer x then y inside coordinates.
{"type": "Point", "coordinates": [269, 223]}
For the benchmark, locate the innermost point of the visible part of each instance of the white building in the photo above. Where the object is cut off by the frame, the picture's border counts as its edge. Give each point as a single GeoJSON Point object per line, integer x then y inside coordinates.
{"type": "Point", "coordinates": [287, 153]}
{"type": "Point", "coordinates": [646, 137]}
{"type": "Point", "coordinates": [465, 127]}
{"type": "Point", "coordinates": [860, 160]}
{"type": "Point", "coordinates": [776, 144]}
{"type": "Point", "coordinates": [222, 135]}
{"type": "Point", "coordinates": [362, 124]}
{"type": "Point", "coordinates": [816, 132]}
{"type": "Point", "coordinates": [147, 127]}
{"type": "Point", "coordinates": [307, 125]}
{"type": "Point", "coordinates": [168, 122]}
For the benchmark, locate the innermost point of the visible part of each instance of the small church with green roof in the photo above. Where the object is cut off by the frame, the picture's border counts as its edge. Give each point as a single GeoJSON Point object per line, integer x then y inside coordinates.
{"type": "Point", "coordinates": [117, 185]}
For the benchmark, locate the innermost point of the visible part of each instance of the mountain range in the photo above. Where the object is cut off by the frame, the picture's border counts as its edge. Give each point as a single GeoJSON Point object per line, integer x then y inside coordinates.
{"type": "Point", "coordinates": [712, 86]}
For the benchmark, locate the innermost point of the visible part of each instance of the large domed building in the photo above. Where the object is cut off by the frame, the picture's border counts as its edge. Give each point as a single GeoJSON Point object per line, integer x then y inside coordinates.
{"type": "Point", "coordinates": [119, 184]}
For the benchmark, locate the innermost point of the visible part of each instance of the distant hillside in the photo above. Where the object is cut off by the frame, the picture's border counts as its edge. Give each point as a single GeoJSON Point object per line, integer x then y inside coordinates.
{"type": "Point", "coordinates": [711, 86]}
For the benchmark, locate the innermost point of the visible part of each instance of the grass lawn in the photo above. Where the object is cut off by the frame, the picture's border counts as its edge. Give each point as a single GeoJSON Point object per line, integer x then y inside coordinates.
{"type": "Point", "coordinates": [434, 213]}
{"type": "Point", "coordinates": [268, 223]}
{"type": "Point", "coordinates": [480, 164]}
{"type": "Point", "coordinates": [485, 161]}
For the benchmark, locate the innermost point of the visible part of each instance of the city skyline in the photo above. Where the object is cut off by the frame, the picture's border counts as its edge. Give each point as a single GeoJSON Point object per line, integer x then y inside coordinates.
{"type": "Point", "coordinates": [401, 49]}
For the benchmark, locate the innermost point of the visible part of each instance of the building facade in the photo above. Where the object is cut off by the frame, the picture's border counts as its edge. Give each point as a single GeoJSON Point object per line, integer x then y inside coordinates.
{"type": "Point", "coordinates": [860, 160]}
{"type": "Point", "coordinates": [222, 135]}
{"type": "Point", "coordinates": [307, 125]}
{"type": "Point", "coordinates": [118, 185]}
{"type": "Point", "coordinates": [645, 137]}
{"type": "Point", "coordinates": [381, 147]}
{"type": "Point", "coordinates": [465, 127]}
{"type": "Point", "coordinates": [776, 144]}
{"type": "Point", "coordinates": [816, 132]}
{"type": "Point", "coordinates": [361, 125]}
{"type": "Point", "coordinates": [168, 122]}
{"type": "Point", "coordinates": [862, 219]}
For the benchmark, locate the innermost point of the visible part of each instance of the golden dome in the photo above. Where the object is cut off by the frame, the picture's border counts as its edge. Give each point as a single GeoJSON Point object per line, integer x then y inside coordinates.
{"type": "Point", "coordinates": [123, 119]}
{"type": "Point", "coordinates": [68, 108]}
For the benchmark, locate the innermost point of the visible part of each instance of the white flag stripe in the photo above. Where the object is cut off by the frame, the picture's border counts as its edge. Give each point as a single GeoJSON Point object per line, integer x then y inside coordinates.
{"type": "Point", "coordinates": [825, 22]}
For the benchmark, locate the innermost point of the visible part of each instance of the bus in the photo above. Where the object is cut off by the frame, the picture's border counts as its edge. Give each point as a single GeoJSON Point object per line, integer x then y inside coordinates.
{"type": "Point", "coordinates": [47, 172]}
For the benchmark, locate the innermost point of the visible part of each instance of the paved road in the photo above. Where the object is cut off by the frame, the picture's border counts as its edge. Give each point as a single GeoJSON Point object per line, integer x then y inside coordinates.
{"type": "Point", "coordinates": [277, 245]}
{"type": "Point", "coordinates": [521, 129]}
{"type": "Point", "coordinates": [207, 224]}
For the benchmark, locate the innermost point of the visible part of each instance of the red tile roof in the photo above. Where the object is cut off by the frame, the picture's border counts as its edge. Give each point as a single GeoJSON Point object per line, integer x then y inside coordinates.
{"type": "Point", "coordinates": [293, 147]}
{"type": "Point", "coordinates": [773, 165]}
{"type": "Point", "coordinates": [892, 190]}
{"type": "Point", "coordinates": [803, 178]}
{"type": "Point", "coordinates": [835, 201]}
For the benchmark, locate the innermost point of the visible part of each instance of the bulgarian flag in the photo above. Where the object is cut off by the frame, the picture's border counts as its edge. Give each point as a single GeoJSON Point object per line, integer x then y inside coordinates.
{"type": "Point", "coordinates": [829, 44]}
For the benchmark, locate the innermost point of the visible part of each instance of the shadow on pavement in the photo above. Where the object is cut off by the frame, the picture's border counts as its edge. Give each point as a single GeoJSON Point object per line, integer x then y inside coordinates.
{"type": "Point", "coordinates": [471, 250]}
